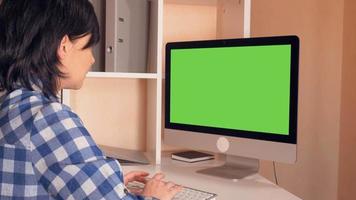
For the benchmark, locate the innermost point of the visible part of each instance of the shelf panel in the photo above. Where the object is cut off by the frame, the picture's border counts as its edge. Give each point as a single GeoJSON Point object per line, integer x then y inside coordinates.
{"type": "Point", "coordinates": [121, 75]}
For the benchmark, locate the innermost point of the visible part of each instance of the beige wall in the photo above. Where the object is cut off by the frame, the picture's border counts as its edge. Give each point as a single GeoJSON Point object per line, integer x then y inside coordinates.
{"type": "Point", "coordinates": [318, 23]}
{"type": "Point", "coordinates": [347, 169]}
{"type": "Point", "coordinates": [113, 110]}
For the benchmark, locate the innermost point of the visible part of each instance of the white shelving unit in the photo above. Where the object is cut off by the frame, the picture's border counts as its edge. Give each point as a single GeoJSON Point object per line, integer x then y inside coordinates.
{"type": "Point", "coordinates": [163, 28]}
{"type": "Point", "coordinates": [152, 80]}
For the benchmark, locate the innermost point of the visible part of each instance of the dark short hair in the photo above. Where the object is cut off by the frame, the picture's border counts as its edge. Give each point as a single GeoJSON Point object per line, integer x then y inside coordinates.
{"type": "Point", "coordinates": [30, 34]}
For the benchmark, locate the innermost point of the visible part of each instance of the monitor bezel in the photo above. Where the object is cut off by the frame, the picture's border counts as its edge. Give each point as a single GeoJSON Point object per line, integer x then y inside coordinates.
{"type": "Point", "coordinates": [257, 41]}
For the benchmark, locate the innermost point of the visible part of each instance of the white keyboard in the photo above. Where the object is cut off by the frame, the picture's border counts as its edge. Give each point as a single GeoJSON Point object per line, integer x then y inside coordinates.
{"type": "Point", "coordinates": [186, 193]}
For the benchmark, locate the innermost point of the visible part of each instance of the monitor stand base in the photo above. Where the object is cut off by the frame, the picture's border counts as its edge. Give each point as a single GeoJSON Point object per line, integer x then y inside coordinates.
{"type": "Point", "coordinates": [235, 167]}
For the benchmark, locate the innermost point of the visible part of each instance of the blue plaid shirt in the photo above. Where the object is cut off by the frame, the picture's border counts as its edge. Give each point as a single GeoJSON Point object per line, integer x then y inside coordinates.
{"type": "Point", "coordinates": [46, 153]}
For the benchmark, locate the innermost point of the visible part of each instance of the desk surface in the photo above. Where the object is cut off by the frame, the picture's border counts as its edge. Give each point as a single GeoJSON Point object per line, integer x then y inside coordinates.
{"type": "Point", "coordinates": [254, 187]}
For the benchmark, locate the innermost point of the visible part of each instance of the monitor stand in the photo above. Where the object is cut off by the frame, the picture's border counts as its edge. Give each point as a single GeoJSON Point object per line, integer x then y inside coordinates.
{"type": "Point", "coordinates": [235, 167]}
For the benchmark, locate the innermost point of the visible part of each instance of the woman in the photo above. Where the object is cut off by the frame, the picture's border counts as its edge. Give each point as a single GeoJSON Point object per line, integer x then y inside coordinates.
{"type": "Point", "coordinates": [45, 150]}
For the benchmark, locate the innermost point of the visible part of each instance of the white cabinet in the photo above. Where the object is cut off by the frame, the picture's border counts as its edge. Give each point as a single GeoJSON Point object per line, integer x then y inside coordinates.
{"type": "Point", "coordinates": [124, 109]}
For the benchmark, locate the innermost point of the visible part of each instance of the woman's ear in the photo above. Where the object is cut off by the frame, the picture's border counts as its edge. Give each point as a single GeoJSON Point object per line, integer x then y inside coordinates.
{"type": "Point", "coordinates": [64, 47]}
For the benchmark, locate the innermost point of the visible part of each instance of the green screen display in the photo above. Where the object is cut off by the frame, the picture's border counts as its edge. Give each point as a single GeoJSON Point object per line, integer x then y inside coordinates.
{"type": "Point", "coordinates": [241, 88]}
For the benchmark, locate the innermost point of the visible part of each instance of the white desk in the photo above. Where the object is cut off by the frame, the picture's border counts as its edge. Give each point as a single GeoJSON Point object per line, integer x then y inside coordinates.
{"type": "Point", "coordinates": [250, 188]}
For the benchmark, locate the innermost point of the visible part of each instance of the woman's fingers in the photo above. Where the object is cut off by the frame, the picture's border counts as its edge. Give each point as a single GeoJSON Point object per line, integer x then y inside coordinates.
{"type": "Point", "coordinates": [137, 173]}
{"type": "Point", "coordinates": [178, 188]}
{"type": "Point", "coordinates": [135, 176]}
{"type": "Point", "coordinates": [158, 176]}
{"type": "Point", "coordinates": [156, 187]}
{"type": "Point", "coordinates": [169, 185]}
{"type": "Point", "coordinates": [137, 191]}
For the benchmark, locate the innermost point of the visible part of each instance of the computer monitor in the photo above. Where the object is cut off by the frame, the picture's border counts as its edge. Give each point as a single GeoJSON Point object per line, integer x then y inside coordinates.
{"type": "Point", "coordinates": [236, 96]}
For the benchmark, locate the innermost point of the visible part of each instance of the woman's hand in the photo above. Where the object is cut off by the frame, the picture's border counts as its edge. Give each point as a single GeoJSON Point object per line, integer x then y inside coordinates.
{"type": "Point", "coordinates": [156, 187]}
{"type": "Point", "coordinates": [139, 176]}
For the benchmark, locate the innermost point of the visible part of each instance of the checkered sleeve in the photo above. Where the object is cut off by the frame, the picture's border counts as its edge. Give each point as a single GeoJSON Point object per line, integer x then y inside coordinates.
{"type": "Point", "coordinates": [68, 163]}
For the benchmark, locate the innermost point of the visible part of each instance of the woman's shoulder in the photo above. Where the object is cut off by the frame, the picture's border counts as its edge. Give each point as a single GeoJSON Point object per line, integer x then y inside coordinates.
{"type": "Point", "coordinates": [18, 111]}
{"type": "Point", "coordinates": [23, 99]}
